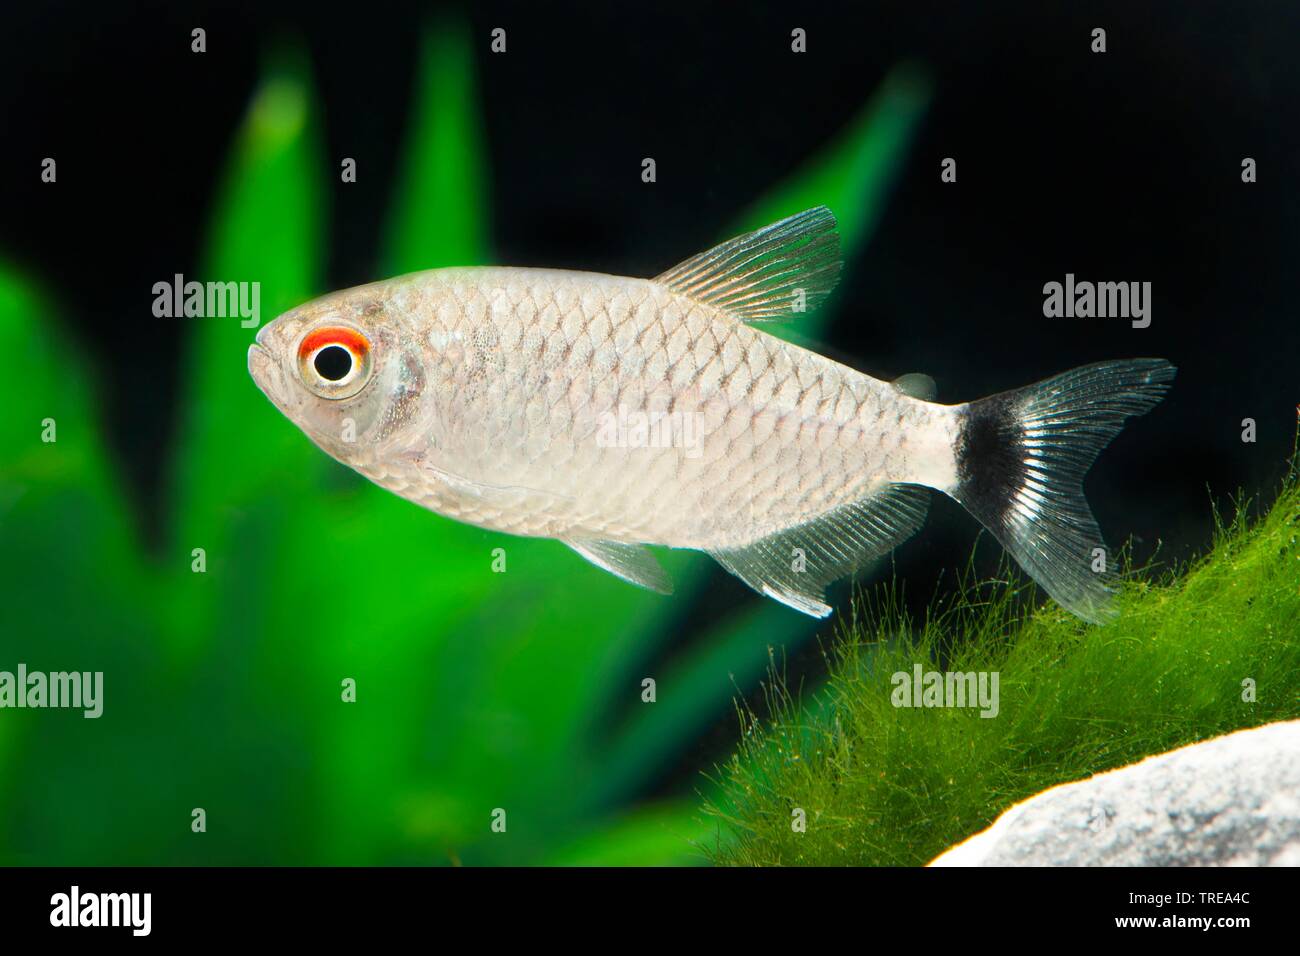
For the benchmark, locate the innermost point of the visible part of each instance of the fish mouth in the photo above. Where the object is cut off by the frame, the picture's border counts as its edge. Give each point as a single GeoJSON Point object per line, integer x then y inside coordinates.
{"type": "Point", "coordinates": [267, 374]}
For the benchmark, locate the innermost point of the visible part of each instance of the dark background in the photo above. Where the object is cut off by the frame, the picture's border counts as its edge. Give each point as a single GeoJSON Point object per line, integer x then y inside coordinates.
{"type": "Point", "coordinates": [1124, 166]}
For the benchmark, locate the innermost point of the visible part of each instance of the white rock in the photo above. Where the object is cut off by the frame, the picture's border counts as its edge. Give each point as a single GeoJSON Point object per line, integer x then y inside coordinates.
{"type": "Point", "coordinates": [1231, 801]}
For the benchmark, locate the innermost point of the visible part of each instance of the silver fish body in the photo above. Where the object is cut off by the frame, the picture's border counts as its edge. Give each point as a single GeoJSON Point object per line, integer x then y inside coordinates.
{"type": "Point", "coordinates": [613, 412]}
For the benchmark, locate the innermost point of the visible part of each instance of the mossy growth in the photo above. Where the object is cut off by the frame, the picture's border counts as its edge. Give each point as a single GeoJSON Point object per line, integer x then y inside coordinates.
{"type": "Point", "coordinates": [848, 777]}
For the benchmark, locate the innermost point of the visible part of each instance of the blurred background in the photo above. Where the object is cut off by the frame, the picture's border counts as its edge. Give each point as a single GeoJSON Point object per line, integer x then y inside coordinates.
{"type": "Point", "coordinates": [523, 691]}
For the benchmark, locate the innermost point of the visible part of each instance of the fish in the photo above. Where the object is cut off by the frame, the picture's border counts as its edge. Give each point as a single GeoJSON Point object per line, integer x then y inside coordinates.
{"type": "Point", "coordinates": [614, 413]}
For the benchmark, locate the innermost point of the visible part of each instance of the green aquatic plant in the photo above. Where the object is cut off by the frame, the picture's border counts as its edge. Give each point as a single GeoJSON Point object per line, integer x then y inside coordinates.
{"type": "Point", "coordinates": [281, 575]}
{"type": "Point", "coordinates": [1195, 652]}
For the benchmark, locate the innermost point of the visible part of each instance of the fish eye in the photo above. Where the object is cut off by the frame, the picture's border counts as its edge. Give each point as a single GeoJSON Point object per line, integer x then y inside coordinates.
{"type": "Point", "coordinates": [334, 361]}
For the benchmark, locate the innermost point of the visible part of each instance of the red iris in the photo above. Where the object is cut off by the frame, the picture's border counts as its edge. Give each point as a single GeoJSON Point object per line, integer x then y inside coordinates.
{"type": "Point", "coordinates": [349, 339]}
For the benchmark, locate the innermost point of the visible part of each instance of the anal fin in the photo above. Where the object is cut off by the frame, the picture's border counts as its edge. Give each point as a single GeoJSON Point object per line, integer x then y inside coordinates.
{"type": "Point", "coordinates": [795, 565]}
{"type": "Point", "coordinates": [631, 562]}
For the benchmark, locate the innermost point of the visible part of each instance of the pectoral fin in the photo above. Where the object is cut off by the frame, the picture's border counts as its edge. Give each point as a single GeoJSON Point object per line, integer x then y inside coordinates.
{"type": "Point", "coordinates": [631, 562]}
{"type": "Point", "coordinates": [504, 497]}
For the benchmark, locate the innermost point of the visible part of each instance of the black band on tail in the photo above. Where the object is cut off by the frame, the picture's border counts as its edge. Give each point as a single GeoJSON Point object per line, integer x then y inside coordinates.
{"type": "Point", "coordinates": [1021, 458]}
{"type": "Point", "coordinates": [990, 459]}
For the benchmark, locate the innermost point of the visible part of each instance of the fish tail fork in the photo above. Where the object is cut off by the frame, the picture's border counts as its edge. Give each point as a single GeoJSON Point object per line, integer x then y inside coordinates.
{"type": "Point", "coordinates": [1021, 457]}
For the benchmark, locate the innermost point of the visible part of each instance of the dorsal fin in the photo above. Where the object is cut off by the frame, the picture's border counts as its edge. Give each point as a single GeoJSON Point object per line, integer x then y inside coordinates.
{"type": "Point", "coordinates": [773, 273]}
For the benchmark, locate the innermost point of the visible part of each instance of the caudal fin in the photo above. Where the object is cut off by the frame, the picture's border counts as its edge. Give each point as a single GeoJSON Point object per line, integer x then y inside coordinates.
{"type": "Point", "coordinates": [1021, 457]}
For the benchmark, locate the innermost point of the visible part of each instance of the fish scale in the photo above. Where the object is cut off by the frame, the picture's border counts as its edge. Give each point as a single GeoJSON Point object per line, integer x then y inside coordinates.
{"type": "Point", "coordinates": [519, 433]}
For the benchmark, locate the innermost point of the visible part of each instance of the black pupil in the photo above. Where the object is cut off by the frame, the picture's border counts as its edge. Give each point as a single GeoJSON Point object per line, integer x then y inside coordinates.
{"type": "Point", "coordinates": [333, 363]}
